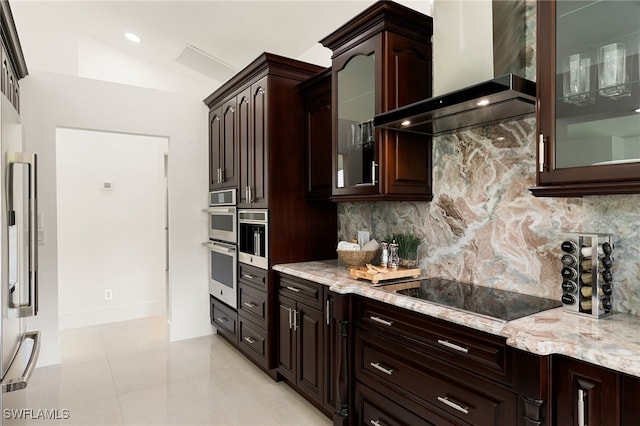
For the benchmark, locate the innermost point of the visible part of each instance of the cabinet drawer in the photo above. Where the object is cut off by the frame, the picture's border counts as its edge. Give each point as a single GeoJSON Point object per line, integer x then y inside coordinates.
{"type": "Point", "coordinates": [301, 290]}
{"type": "Point", "coordinates": [374, 409]}
{"type": "Point", "coordinates": [474, 350]}
{"type": "Point", "coordinates": [251, 275]}
{"type": "Point", "coordinates": [224, 318]}
{"type": "Point", "coordinates": [253, 340]}
{"type": "Point", "coordinates": [252, 304]}
{"type": "Point", "coordinates": [460, 395]}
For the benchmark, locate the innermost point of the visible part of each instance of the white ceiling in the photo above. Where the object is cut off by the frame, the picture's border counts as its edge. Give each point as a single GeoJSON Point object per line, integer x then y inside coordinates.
{"type": "Point", "coordinates": [86, 38]}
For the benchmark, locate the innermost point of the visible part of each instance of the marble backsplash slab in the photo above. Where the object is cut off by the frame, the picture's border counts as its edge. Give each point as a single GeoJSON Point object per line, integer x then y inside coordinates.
{"type": "Point", "coordinates": [484, 225]}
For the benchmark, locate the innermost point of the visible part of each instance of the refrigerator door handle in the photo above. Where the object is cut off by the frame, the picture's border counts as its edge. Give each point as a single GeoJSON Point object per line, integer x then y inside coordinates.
{"type": "Point", "coordinates": [30, 307]}
{"type": "Point", "coordinates": [19, 373]}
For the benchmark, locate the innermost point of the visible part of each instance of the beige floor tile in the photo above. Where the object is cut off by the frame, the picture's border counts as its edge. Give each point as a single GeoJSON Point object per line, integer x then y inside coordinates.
{"type": "Point", "coordinates": [127, 373]}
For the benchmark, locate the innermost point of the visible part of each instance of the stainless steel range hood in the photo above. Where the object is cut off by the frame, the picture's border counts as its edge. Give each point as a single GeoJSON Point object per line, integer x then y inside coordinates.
{"type": "Point", "coordinates": [494, 101]}
{"type": "Point", "coordinates": [479, 46]}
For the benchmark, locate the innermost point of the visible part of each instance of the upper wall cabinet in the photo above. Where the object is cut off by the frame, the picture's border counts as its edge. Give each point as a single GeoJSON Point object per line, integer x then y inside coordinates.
{"type": "Point", "coordinates": [316, 96]}
{"type": "Point", "coordinates": [223, 146]}
{"type": "Point", "coordinates": [588, 82]}
{"type": "Point", "coordinates": [381, 61]}
{"type": "Point", "coordinates": [255, 131]}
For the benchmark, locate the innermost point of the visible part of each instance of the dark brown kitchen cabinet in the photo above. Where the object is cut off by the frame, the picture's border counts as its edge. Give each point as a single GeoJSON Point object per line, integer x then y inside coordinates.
{"type": "Point", "coordinates": [300, 337]}
{"type": "Point", "coordinates": [223, 146]}
{"type": "Point", "coordinates": [253, 313]}
{"type": "Point", "coordinates": [253, 129]}
{"type": "Point", "coordinates": [630, 396]}
{"type": "Point", "coordinates": [316, 95]}
{"type": "Point", "coordinates": [588, 90]}
{"type": "Point", "coordinates": [381, 61]}
{"type": "Point", "coordinates": [585, 394]}
{"type": "Point", "coordinates": [459, 375]}
{"type": "Point", "coordinates": [270, 170]}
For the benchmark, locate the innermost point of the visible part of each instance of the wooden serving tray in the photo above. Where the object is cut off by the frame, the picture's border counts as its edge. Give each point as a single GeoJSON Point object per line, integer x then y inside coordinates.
{"type": "Point", "coordinates": [361, 272]}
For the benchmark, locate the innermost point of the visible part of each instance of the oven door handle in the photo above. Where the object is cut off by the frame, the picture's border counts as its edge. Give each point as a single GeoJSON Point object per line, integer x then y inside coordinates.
{"type": "Point", "coordinates": [219, 247]}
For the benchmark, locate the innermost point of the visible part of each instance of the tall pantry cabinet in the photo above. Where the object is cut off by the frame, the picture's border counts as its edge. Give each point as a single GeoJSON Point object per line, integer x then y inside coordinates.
{"type": "Point", "coordinates": [257, 139]}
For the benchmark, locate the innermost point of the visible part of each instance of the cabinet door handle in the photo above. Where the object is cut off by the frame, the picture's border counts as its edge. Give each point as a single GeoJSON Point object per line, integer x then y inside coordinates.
{"type": "Point", "coordinates": [379, 367]}
{"type": "Point", "coordinates": [375, 422]}
{"type": "Point", "coordinates": [381, 321]}
{"type": "Point", "coordinates": [582, 396]}
{"type": "Point", "coordinates": [221, 175]}
{"type": "Point", "coordinates": [541, 151]}
{"type": "Point", "coordinates": [294, 289]}
{"type": "Point", "coordinates": [221, 320]}
{"type": "Point", "coordinates": [295, 320]}
{"type": "Point", "coordinates": [327, 313]}
{"type": "Point", "coordinates": [250, 340]}
{"type": "Point", "coordinates": [373, 173]}
{"type": "Point", "coordinates": [249, 304]}
{"type": "Point", "coordinates": [445, 400]}
{"type": "Point", "coordinates": [453, 346]}
{"type": "Point", "coordinates": [290, 321]}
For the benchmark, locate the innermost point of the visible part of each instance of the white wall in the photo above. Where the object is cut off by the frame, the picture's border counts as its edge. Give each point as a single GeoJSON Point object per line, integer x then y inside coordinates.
{"type": "Point", "coordinates": [462, 44]}
{"type": "Point", "coordinates": [110, 238]}
{"type": "Point", "coordinates": [50, 101]}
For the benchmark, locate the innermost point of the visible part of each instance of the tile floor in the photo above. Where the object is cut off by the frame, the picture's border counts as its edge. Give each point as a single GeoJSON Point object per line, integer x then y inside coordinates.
{"type": "Point", "coordinates": [127, 373]}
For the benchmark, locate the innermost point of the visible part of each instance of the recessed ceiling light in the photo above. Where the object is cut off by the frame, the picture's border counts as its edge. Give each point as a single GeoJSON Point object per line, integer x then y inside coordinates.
{"type": "Point", "coordinates": [132, 37]}
{"type": "Point", "coordinates": [483, 102]}
{"type": "Point", "coordinates": [405, 123]}
{"type": "Point", "coordinates": [637, 110]}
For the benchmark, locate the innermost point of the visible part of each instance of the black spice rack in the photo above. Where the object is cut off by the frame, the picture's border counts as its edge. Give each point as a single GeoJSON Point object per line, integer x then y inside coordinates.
{"type": "Point", "coordinates": [587, 279]}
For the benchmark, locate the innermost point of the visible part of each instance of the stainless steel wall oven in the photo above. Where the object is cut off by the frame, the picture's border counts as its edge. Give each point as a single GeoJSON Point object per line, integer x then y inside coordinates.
{"type": "Point", "coordinates": [222, 245]}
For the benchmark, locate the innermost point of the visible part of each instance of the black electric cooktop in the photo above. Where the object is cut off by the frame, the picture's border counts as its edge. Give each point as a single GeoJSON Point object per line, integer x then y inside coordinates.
{"type": "Point", "coordinates": [497, 304]}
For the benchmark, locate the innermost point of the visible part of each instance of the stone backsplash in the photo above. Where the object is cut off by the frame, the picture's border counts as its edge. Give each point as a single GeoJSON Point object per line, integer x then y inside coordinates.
{"type": "Point", "coordinates": [484, 225]}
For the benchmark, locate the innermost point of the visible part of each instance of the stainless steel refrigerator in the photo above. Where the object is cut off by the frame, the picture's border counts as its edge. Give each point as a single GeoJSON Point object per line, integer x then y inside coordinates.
{"type": "Point", "coordinates": [18, 253]}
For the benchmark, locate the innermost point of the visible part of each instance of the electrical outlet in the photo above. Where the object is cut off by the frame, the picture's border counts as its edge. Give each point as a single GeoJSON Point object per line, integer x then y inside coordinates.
{"type": "Point", "coordinates": [108, 294]}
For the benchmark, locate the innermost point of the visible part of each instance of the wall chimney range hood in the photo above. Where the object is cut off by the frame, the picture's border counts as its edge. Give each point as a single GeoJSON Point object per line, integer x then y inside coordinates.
{"type": "Point", "coordinates": [498, 100]}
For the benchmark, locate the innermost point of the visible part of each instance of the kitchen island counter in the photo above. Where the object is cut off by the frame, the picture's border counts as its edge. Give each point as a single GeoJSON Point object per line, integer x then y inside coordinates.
{"type": "Point", "coordinates": [613, 342]}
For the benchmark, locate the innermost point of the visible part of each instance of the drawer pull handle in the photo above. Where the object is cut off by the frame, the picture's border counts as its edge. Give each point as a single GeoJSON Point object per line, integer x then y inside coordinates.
{"type": "Point", "coordinates": [249, 304]}
{"type": "Point", "coordinates": [447, 401]}
{"type": "Point", "coordinates": [375, 422]}
{"type": "Point", "coordinates": [294, 289]}
{"type": "Point", "coordinates": [221, 320]}
{"type": "Point", "coordinates": [247, 276]}
{"type": "Point", "coordinates": [377, 366]}
{"type": "Point", "coordinates": [453, 346]}
{"type": "Point", "coordinates": [250, 340]}
{"type": "Point", "coordinates": [381, 321]}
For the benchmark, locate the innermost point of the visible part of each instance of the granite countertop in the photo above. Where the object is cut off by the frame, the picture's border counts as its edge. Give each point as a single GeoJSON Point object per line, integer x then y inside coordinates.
{"type": "Point", "coordinates": [613, 342]}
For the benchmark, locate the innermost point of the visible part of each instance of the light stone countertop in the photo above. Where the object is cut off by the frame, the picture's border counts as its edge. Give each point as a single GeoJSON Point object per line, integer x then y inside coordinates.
{"type": "Point", "coordinates": [612, 342]}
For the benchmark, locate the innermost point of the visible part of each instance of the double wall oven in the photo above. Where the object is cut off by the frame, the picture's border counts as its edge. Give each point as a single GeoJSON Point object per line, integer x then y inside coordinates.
{"type": "Point", "coordinates": [234, 236]}
{"type": "Point", "coordinates": [222, 245]}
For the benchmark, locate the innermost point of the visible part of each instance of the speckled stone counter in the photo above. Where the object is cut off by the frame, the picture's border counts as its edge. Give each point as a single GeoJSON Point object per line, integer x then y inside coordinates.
{"type": "Point", "coordinates": [613, 342]}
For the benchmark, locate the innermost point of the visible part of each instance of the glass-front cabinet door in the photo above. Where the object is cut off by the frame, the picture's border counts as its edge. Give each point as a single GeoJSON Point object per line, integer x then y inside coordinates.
{"type": "Point", "coordinates": [355, 162]}
{"type": "Point", "coordinates": [589, 97]}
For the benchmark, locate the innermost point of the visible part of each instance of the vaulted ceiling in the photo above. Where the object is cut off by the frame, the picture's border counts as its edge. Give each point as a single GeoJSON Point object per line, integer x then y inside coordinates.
{"type": "Point", "coordinates": [203, 42]}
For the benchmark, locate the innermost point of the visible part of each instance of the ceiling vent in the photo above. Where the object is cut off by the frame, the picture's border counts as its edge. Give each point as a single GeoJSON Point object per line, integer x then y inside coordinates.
{"type": "Point", "coordinates": [200, 61]}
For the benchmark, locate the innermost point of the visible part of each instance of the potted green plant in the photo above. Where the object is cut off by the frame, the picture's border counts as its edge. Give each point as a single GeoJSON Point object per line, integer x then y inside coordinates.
{"type": "Point", "coordinates": [407, 248]}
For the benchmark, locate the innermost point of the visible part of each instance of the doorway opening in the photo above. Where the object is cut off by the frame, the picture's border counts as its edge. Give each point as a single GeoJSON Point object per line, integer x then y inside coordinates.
{"type": "Point", "coordinates": [112, 210]}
